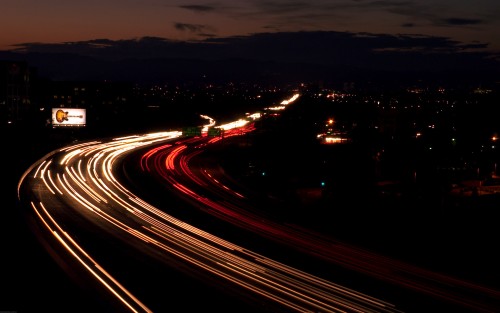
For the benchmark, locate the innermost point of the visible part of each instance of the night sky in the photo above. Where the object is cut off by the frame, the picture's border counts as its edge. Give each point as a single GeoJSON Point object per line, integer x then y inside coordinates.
{"type": "Point", "coordinates": [473, 23]}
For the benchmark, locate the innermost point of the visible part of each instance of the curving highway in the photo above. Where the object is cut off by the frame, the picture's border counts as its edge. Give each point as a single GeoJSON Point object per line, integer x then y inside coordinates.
{"type": "Point", "coordinates": [81, 194]}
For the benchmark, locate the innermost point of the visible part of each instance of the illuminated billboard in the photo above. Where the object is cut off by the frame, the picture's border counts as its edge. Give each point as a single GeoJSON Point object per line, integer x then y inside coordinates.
{"type": "Point", "coordinates": [68, 117]}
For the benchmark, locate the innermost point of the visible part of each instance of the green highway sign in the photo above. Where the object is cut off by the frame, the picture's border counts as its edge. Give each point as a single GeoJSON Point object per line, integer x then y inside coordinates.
{"type": "Point", "coordinates": [214, 132]}
{"type": "Point", "coordinates": [191, 131]}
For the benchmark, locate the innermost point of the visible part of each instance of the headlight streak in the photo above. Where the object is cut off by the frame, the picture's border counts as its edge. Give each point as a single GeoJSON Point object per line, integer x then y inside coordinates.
{"type": "Point", "coordinates": [81, 148]}
{"type": "Point", "coordinates": [286, 290]}
{"type": "Point", "coordinates": [154, 222]}
{"type": "Point", "coordinates": [317, 280]}
{"type": "Point", "coordinates": [68, 156]}
{"type": "Point", "coordinates": [126, 138]}
{"type": "Point", "coordinates": [48, 186]}
{"type": "Point", "coordinates": [76, 196]}
{"type": "Point", "coordinates": [88, 267]}
{"type": "Point", "coordinates": [189, 239]}
{"type": "Point", "coordinates": [53, 184]}
{"type": "Point", "coordinates": [91, 165]}
{"type": "Point", "coordinates": [286, 286]}
{"type": "Point", "coordinates": [291, 287]}
{"type": "Point", "coordinates": [91, 207]}
{"type": "Point", "coordinates": [275, 286]}
{"type": "Point", "coordinates": [217, 182]}
{"type": "Point", "coordinates": [39, 169]}
{"type": "Point", "coordinates": [84, 144]}
{"type": "Point", "coordinates": [80, 171]}
{"type": "Point", "coordinates": [361, 268]}
{"type": "Point", "coordinates": [79, 181]}
{"type": "Point", "coordinates": [111, 194]}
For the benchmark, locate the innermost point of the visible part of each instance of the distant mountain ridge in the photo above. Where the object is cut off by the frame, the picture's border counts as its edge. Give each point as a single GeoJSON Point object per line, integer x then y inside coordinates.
{"type": "Point", "coordinates": [267, 58]}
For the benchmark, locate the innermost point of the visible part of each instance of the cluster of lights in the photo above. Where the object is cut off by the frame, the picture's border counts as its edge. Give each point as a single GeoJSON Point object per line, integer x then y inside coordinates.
{"type": "Point", "coordinates": [235, 124]}
{"type": "Point", "coordinates": [211, 122]}
{"type": "Point", "coordinates": [254, 116]}
{"type": "Point", "coordinates": [284, 103]}
{"type": "Point", "coordinates": [332, 137]}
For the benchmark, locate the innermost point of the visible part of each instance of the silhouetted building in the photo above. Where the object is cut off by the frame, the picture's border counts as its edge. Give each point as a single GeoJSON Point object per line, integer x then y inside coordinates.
{"type": "Point", "coordinates": [15, 91]}
{"type": "Point", "coordinates": [89, 95]}
{"type": "Point", "coordinates": [107, 104]}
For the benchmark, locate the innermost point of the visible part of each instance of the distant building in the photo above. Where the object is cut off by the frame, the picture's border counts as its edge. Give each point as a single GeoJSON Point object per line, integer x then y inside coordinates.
{"type": "Point", "coordinates": [15, 91]}
{"type": "Point", "coordinates": [104, 101]}
{"type": "Point", "coordinates": [90, 95]}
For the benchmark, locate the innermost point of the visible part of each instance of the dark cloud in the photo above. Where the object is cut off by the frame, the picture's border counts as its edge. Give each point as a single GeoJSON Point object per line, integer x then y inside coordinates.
{"type": "Point", "coordinates": [474, 46]}
{"type": "Point", "coordinates": [313, 14]}
{"type": "Point", "coordinates": [285, 7]}
{"type": "Point", "coordinates": [328, 7]}
{"type": "Point", "coordinates": [317, 52]}
{"type": "Point", "coordinates": [144, 47]}
{"type": "Point", "coordinates": [414, 10]}
{"type": "Point", "coordinates": [272, 27]}
{"type": "Point", "coordinates": [194, 28]}
{"type": "Point", "coordinates": [456, 21]}
{"type": "Point", "coordinates": [324, 45]}
{"type": "Point", "coordinates": [197, 8]}
{"type": "Point", "coordinates": [408, 25]}
{"type": "Point", "coordinates": [418, 11]}
{"type": "Point", "coordinates": [206, 35]}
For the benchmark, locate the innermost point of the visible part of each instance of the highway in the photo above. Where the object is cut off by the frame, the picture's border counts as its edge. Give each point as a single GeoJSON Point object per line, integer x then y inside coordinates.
{"type": "Point", "coordinates": [83, 200]}
{"type": "Point", "coordinates": [186, 170]}
{"type": "Point", "coordinates": [78, 181]}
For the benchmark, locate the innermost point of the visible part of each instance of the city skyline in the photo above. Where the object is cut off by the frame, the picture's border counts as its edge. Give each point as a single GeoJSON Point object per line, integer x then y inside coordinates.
{"type": "Point", "coordinates": [267, 57]}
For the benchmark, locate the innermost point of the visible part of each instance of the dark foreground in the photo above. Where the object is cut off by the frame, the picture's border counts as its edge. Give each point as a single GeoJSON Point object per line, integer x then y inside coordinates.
{"type": "Point", "coordinates": [455, 236]}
